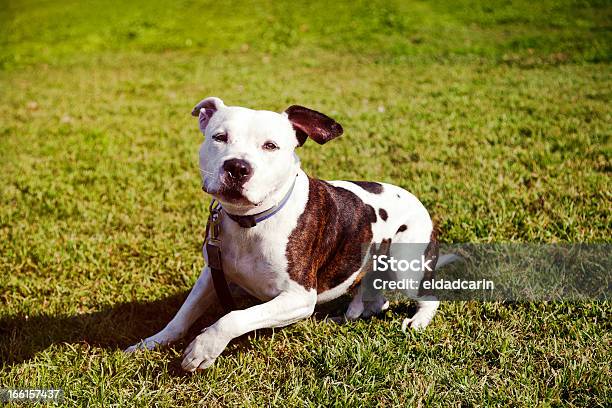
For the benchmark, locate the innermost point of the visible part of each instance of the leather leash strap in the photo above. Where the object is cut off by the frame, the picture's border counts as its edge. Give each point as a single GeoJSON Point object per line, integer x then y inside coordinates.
{"type": "Point", "coordinates": [212, 250]}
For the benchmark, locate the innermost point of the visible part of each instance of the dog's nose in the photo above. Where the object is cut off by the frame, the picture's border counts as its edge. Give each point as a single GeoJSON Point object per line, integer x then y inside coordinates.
{"type": "Point", "coordinates": [238, 170]}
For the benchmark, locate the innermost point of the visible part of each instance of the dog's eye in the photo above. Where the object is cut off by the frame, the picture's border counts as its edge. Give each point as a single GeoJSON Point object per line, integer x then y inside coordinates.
{"type": "Point", "coordinates": [270, 146]}
{"type": "Point", "coordinates": [220, 137]}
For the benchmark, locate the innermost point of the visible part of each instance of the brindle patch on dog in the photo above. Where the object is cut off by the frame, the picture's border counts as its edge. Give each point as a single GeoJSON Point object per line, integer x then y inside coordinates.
{"type": "Point", "coordinates": [326, 246]}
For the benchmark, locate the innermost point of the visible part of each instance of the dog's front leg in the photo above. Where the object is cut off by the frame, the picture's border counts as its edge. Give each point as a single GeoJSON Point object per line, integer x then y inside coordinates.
{"type": "Point", "coordinates": [200, 298]}
{"type": "Point", "coordinates": [286, 308]}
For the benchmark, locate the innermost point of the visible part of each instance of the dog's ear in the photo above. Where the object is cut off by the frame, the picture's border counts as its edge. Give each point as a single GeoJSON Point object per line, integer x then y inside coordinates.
{"type": "Point", "coordinates": [309, 123]}
{"type": "Point", "coordinates": [205, 110]}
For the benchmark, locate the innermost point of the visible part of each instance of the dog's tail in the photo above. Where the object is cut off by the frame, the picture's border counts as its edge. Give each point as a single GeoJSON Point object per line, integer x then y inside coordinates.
{"type": "Point", "coordinates": [446, 259]}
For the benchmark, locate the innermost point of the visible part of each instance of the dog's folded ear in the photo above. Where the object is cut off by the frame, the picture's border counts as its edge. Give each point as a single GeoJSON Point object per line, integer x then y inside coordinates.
{"type": "Point", "coordinates": [309, 123]}
{"type": "Point", "coordinates": [205, 109]}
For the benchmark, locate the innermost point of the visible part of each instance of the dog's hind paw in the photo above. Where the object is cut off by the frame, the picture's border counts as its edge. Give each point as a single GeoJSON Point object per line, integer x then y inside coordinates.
{"type": "Point", "coordinates": [375, 307]}
{"type": "Point", "coordinates": [416, 322]}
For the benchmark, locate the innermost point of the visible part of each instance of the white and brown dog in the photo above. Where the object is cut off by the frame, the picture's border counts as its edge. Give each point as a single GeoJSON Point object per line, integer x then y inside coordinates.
{"type": "Point", "coordinates": [307, 248]}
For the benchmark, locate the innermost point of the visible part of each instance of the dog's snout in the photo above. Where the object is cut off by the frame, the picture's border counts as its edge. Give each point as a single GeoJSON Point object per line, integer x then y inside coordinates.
{"type": "Point", "coordinates": [238, 170]}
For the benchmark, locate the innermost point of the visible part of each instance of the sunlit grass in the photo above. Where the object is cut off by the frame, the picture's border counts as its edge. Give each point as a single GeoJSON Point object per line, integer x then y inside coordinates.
{"type": "Point", "coordinates": [497, 117]}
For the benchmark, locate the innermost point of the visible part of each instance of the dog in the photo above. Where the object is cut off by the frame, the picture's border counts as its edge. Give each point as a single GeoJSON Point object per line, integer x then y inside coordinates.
{"type": "Point", "coordinates": [307, 250]}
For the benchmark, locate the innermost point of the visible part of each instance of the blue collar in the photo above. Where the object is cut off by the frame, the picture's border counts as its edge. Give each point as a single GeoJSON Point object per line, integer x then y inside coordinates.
{"type": "Point", "coordinates": [249, 221]}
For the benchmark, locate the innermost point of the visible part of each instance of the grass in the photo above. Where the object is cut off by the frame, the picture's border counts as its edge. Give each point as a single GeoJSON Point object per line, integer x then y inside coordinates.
{"type": "Point", "coordinates": [496, 115]}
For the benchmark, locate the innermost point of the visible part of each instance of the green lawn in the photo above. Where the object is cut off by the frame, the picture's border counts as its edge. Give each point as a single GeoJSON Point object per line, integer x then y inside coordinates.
{"type": "Point", "coordinates": [495, 114]}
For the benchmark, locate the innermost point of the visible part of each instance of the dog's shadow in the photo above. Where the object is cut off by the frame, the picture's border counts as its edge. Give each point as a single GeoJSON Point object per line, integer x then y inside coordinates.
{"type": "Point", "coordinates": [114, 327]}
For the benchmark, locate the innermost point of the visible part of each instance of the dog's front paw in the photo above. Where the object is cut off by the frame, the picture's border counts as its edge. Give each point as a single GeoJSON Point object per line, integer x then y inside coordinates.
{"type": "Point", "coordinates": [162, 338]}
{"type": "Point", "coordinates": [133, 348]}
{"type": "Point", "coordinates": [204, 350]}
{"type": "Point", "coordinates": [146, 344]}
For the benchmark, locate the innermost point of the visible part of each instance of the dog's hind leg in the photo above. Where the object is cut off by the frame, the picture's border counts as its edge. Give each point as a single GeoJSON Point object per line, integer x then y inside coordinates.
{"type": "Point", "coordinates": [376, 302]}
{"type": "Point", "coordinates": [366, 308]}
{"type": "Point", "coordinates": [356, 307]}
{"type": "Point", "coordinates": [427, 303]}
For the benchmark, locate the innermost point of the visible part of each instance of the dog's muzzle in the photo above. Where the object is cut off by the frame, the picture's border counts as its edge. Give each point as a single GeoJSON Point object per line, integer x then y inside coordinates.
{"type": "Point", "coordinates": [237, 171]}
{"type": "Point", "coordinates": [234, 174]}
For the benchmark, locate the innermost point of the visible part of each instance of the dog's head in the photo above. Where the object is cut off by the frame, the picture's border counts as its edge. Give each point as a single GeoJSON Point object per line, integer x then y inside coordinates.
{"type": "Point", "coordinates": [248, 156]}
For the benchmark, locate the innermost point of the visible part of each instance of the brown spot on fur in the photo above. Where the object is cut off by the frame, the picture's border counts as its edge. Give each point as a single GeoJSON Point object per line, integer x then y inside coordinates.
{"type": "Point", "coordinates": [431, 252]}
{"type": "Point", "coordinates": [369, 186]}
{"type": "Point", "coordinates": [402, 228]}
{"type": "Point", "coordinates": [383, 214]}
{"type": "Point", "coordinates": [325, 248]}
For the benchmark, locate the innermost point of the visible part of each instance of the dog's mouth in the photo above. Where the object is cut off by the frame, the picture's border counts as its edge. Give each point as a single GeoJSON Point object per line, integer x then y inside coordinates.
{"type": "Point", "coordinates": [231, 193]}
